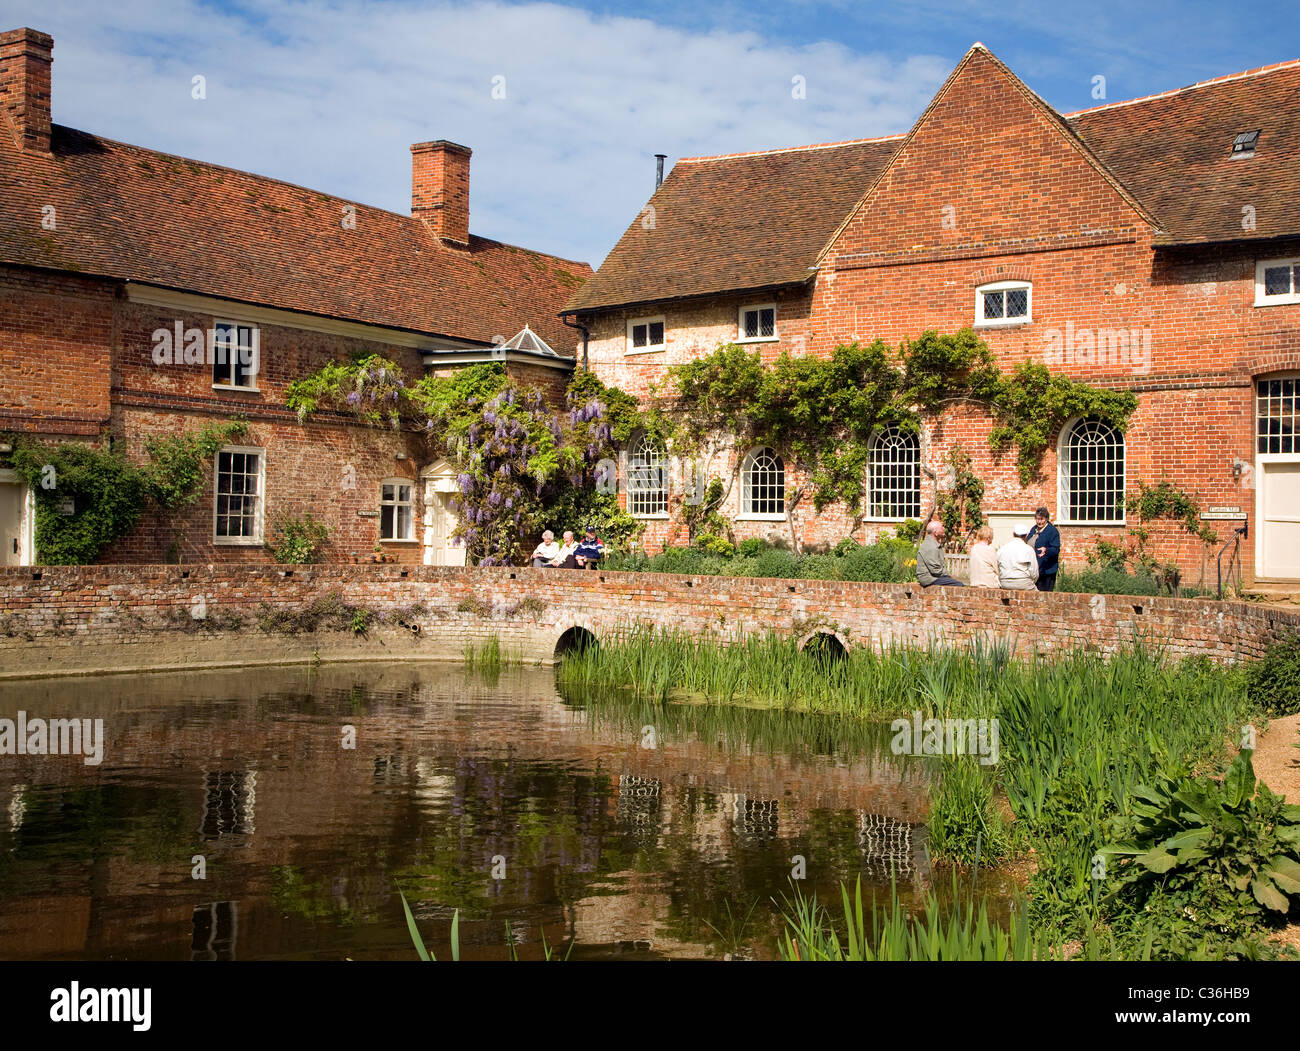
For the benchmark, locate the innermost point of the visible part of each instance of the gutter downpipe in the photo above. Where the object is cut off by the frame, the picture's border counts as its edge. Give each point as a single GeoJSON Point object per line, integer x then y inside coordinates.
{"type": "Point", "coordinates": [586, 337]}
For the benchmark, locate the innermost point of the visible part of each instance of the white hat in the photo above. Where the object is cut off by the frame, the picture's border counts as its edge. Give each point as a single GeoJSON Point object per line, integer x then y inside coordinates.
{"type": "Point", "coordinates": [1020, 530]}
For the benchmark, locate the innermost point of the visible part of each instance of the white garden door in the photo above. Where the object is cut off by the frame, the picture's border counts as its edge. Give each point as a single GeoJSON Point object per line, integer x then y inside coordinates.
{"type": "Point", "coordinates": [17, 521]}
{"type": "Point", "coordinates": [1277, 479]}
{"type": "Point", "coordinates": [440, 520]}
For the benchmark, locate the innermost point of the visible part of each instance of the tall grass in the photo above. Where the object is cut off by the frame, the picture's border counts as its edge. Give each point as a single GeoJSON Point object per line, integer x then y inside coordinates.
{"type": "Point", "coordinates": [1078, 732]}
{"type": "Point", "coordinates": [960, 931]}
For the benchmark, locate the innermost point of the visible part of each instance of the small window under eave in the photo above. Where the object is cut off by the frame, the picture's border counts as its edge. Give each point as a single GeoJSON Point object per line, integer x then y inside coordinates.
{"type": "Point", "coordinates": [1243, 145]}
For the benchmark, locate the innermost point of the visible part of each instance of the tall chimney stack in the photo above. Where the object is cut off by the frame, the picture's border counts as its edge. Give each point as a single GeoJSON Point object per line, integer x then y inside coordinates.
{"type": "Point", "coordinates": [659, 169]}
{"type": "Point", "coordinates": [25, 59]}
{"type": "Point", "coordinates": [440, 189]}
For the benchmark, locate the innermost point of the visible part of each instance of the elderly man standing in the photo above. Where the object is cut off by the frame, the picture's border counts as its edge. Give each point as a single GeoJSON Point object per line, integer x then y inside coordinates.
{"type": "Point", "coordinates": [931, 568]}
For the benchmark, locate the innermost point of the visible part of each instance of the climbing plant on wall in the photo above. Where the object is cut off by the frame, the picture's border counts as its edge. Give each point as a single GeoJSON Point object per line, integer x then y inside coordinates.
{"type": "Point", "coordinates": [823, 411]}
{"type": "Point", "coordinates": [87, 498]}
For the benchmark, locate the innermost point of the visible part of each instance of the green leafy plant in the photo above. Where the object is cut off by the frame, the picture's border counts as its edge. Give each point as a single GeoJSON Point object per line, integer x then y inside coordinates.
{"type": "Point", "coordinates": [958, 505]}
{"type": "Point", "coordinates": [1226, 853]}
{"type": "Point", "coordinates": [86, 498]}
{"type": "Point", "coordinates": [297, 540]}
{"type": "Point", "coordinates": [1273, 682]}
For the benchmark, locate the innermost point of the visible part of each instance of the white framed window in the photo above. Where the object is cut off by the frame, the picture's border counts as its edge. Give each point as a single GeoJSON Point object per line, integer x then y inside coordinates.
{"type": "Point", "coordinates": [647, 478]}
{"type": "Point", "coordinates": [397, 509]}
{"type": "Point", "coordinates": [762, 485]}
{"type": "Point", "coordinates": [1277, 281]}
{"type": "Point", "coordinates": [1277, 416]}
{"type": "Point", "coordinates": [238, 491]}
{"type": "Point", "coordinates": [757, 324]}
{"type": "Point", "coordinates": [235, 353]}
{"type": "Point", "coordinates": [645, 334]}
{"type": "Point", "coordinates": [1091, 473]}
{"type": "Point", "coordinates": [894, 475]}
{"type": "Point", "coordinates": [1003, 303]}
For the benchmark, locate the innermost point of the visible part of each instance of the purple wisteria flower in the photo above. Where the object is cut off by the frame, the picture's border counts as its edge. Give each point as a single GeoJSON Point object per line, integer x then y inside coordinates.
{"type": "Point", "coordinates": [353, 398]}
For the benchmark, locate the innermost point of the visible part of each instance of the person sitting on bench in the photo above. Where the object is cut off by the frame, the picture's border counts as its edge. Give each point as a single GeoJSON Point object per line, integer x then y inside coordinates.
{"type": "Point", "coordinates": [590, 551]}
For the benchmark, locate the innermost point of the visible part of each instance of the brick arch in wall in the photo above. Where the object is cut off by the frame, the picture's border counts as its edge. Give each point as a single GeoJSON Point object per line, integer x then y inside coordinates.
{"type": "Point", "coordinates": [1014, 271]}
{"type": "Point", "coordinates": [1277, 361]}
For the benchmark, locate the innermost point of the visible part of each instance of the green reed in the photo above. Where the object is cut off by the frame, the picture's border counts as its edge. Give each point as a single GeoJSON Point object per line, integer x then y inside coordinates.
{"type": "Point", "coordinates": [1078, 731]}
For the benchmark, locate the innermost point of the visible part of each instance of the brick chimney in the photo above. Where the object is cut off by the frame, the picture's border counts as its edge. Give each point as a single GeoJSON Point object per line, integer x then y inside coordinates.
{"type": "Point", "coordinates": [25, 58]}
{"type": "Point", "coordinates": [440, 189]}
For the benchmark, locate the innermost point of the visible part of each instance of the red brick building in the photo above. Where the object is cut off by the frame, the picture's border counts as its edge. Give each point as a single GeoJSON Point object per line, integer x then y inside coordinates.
{"type": "Point", "coordinates": [1150, 245]}
{"type": "Point", "coordinates": [103, 245]}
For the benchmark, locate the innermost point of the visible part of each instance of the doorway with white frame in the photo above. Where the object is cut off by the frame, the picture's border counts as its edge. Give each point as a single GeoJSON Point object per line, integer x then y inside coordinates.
{"type": "Point", "coordinates": [17, 520]}
{"type": "Point", "coordinates": [1277, 478]}
{"type": "Point", "coordinates": [440, 521]}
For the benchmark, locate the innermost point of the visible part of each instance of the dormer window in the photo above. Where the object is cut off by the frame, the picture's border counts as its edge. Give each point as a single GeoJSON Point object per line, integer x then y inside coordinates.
{"type": "Point", "coordinates": [1002, 303]}
{"type": "Point", "coordinates": [1244, 145]}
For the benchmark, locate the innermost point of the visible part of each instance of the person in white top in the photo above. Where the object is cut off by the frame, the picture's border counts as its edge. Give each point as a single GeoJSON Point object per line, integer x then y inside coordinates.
{"type": "Point", "coordinates": [1017, 562]}
{"type": "Point", "coordinates": [547, 551]}
{"type": "Point", "coordinates": [984, 561]}
{"type": "Point", "coordinates": [565, 559]}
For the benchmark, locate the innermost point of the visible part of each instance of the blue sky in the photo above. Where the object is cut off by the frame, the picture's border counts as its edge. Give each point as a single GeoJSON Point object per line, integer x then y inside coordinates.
{"type": "Point", "coordinates": [331, 95]}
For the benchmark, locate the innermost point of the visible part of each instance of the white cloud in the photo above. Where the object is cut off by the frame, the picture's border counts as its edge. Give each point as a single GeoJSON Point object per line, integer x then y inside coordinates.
{"type": "Point", "coordinates": [331, 97]}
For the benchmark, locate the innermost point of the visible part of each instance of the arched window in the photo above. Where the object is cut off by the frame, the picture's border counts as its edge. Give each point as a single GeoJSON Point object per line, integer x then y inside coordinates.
{"type": "Point", "coordinates": [647, 481]}
{"type": "Point", "coordinates": [894, 475]}
{"type": "Point", "coordinates": [1092, 472]}
{"type": "Point", "coordinates": [762, 484]}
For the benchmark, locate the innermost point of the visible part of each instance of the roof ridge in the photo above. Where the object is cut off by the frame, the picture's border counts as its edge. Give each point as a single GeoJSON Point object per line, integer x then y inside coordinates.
{"type": "Point", "coordinates": [1258, 71]}
{"type": "Point", "coordinates": [793, 149]}
{"type": "Point", "coordinates": [298, 186]}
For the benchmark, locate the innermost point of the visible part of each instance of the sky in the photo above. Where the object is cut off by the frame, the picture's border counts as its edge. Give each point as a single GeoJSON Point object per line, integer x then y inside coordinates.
{"type": "Point", "coordinates": [565, 105]}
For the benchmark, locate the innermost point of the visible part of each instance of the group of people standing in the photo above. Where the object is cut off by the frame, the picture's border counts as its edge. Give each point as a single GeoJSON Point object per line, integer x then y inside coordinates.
{"type": "Point", "coordinates": [1026, 562]}
{"type": "Point", "coordinates": [571, 554]}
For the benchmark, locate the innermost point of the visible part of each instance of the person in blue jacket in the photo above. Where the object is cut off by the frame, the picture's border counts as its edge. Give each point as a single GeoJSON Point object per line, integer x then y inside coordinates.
{"type": "Point", "coordinates": [1045, 539]}
{"type": "Point", "coordinates": [590, 551]}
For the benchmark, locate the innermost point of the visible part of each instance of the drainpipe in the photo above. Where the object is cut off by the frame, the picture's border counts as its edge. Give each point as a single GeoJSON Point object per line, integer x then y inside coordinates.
{"type": "Point", "coordinates": [586, 337]}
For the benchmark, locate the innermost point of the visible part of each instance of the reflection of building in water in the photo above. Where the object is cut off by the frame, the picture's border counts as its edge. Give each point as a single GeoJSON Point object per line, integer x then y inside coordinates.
{"type": "Point", "coordinates": [756, 818]}
{"type": "Point", "coordinates": [890, 848]}
{"type": "Point", "coordinates": [230, 797]}
{"type": "Point", "coordinates": [432, 790]}
{"type": "Point", "coordinates": [389, 769]}
{"type": "Point", "coordinates": [640, 806]}
{"type": "Point", "coordinates": [17, 807]}
{"type": "Point", "coordinates": [215, 927]}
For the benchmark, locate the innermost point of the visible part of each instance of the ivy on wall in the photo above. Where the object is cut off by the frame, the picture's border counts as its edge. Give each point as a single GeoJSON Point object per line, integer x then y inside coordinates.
{"type": "Point", "coordinates": [823, 411]}
{"type": "Point", "coordinates": [87, 498]}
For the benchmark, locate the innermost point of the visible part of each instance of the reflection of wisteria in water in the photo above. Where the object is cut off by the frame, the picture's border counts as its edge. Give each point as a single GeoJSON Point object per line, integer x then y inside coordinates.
{"type": "Point", "coordinates": [599, 839]}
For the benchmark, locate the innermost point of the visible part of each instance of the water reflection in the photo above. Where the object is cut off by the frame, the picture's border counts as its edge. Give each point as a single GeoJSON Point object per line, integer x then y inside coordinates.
{"type": "Point", "coordinates": [493, 796]}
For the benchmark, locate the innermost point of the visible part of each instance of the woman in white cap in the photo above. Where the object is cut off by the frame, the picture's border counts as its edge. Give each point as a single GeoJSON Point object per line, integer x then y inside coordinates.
{"type": "Point", "coordinates": [1017, 562]}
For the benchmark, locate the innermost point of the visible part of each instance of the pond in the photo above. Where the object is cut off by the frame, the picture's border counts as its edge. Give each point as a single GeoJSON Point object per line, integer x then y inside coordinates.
{"type": "Point", "coordinates": [307, 798]}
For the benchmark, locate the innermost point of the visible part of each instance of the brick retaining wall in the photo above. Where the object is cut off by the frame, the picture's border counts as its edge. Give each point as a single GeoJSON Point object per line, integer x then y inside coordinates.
{"type": "Point", "coordinates": [82, 618]}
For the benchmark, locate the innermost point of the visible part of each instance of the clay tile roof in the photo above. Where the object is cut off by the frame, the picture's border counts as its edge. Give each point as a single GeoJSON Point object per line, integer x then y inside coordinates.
{"type": "Point", "coordinates": [140, 215]}
{"type": "Point", "coordinates": [747, 220]}
{"type": "Point", "coordinates": [757, 220]}
{"type": "Point", "coordinates": [1173, 152]}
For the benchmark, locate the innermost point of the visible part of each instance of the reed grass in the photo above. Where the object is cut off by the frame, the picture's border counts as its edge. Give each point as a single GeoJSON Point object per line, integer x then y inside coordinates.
{"type": "Point", "coordinates": [1078, 732]}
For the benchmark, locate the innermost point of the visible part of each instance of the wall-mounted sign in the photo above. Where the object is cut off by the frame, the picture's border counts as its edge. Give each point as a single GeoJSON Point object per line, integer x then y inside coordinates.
{"type": "Point", "coordinates": [1212, 509]}
{"type": "Point", "coordinates": [67, 506]}
{"type": "Point", "coordinates": [1226, 514]}
{"type": "Point", "coordinates": [368, 514]}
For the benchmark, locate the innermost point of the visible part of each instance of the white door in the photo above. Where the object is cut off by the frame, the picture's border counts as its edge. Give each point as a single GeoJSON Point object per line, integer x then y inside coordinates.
{"type": "Point", "coordinates": [1277, 478]}
{"type": "Point", "coordinates": [16, 515]}
{"type": "Point", "coordinates": [439, 523]}
{"type": "Point", "coordinates": [1279, 521]}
